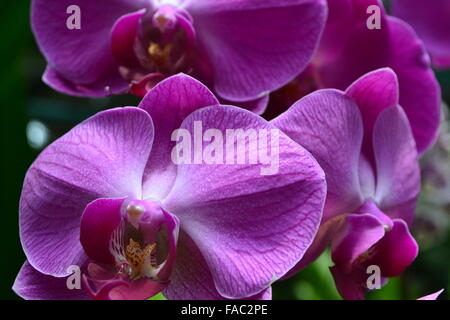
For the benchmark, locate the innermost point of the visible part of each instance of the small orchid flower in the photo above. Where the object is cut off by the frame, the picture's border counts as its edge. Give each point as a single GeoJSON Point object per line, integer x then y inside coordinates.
{"type": "Point", "coordinates": [363, 141]}
{"type": "Point", "coordinates": [349, 49]}
{"type": "Point", "coordinates": [108, 198]}
{"type": "Point", "coordinates": [243, 49]}
{"type": "Point", "coordinates": [432, 24]}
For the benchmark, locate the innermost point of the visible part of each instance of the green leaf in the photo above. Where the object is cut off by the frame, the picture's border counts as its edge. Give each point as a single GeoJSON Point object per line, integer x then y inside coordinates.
{"type": "Point", "coordinates": [159, 296]}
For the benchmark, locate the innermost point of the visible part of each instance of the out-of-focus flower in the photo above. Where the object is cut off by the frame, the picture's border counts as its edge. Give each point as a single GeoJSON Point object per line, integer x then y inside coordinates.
{"type": "Point", "coordinates": [363, 141]}
{"type": "Point", "coordinates": [349, 49]}
{"type": "Point", "coordinates": [433, 209]}
{"type": "Point", "coordinates": [107, 197]}
{"type": "Point", "coordinates": [432, 296]}
{"type": "Point", "coordinates": [243, 49]}
{"type": "Point", "coordinates": [431, 21]}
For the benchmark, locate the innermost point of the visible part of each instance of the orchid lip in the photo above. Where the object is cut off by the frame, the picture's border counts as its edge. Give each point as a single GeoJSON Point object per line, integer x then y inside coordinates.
{"type": "Point", "coordinates": [131, 243]}
{"type": "Point", "coordinates": [135, 244]}
{"type": "Point", "coordinates": [369, 206]}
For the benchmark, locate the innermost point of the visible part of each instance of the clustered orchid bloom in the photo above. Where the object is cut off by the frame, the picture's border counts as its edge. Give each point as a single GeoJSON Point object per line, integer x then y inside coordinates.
{"type": "Point", "coordinates": [348, 49]}
{"type": "Point", "coordinates": [432, 24]}
{"type": "Point", "coordinates": [363, 141]}
{"type": "Point", "coordinates": [107, 197]}
{"type": "Point", "coordinates": [242, 49]}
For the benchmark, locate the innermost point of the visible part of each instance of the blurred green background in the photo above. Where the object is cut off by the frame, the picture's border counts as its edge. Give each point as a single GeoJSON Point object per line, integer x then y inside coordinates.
{"type": "Point", "coordinates": [32, 115]}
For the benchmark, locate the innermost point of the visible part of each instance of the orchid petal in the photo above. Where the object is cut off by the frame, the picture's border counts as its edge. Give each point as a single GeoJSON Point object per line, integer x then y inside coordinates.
{"type": "Point", "coordinates": [398, 173]}
{"type": "Point", "coordinates": [328, 124]}
{"type": "Point", "coordinates": [118, 289]}
{"type": "Point", "coordinates": [169, 103]}
{"type": "Point", "coordinates": [99, 221]}
{"type": "Point", "coordinates": [272, 42]}
{"type": "Point", "coordinates": [192, 280]}
{"type": "Point", "coordinates": [394, 45]}
{"type": "Point", "coordinates": [357, 235]}
{"type": "Point", "coordinates": [251, 228]}
{"type": "Point", "coordinates": [75, 65]}
{"type": "Point", "coordinates": [420, 93]}
{"type": "Point", "coordinates": [350, 285]}
{"type": "Point", "coordinates": [30, 284]}
{"type": "Point", "coordinates": [359, 232]}
{"type": "Point", "coordinates": [396, 251]}
{"type": "Point", "coordinates": [257, 106]}
{"type": "Point", "coordinates": [373, 93]}
{"type": "Point", "coordinates": [101, 157]}
{"type": "Point", "coordinates": [123, 36]}
{"type": "Point", "coordinates": [431, 24]}
{"type": "Point", "coordinates": [325, 234]}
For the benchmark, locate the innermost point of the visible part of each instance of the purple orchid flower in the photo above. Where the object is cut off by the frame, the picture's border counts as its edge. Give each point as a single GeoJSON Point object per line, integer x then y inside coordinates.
{"type": "Point", "coordinates": [363, 141]}
{"type": "Point", "coordinates": [108, 198]}
{"type": "Point", "coordinates": [243, 49]}
{"type": "Point", "coordinates": [432, 24]}
{"type": "Point", "coordinates": [349, 49]}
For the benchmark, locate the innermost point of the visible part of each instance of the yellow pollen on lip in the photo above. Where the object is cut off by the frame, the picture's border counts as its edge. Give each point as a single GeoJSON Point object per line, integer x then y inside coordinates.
{"type": "Point", "coordinates": [160, 56]}
{"type": "Point", "coordinates": [137, 256]}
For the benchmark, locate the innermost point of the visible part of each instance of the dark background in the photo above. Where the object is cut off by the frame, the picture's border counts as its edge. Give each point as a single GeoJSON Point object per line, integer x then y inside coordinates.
{"type": "Point", "coordinates": [25, 99]}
